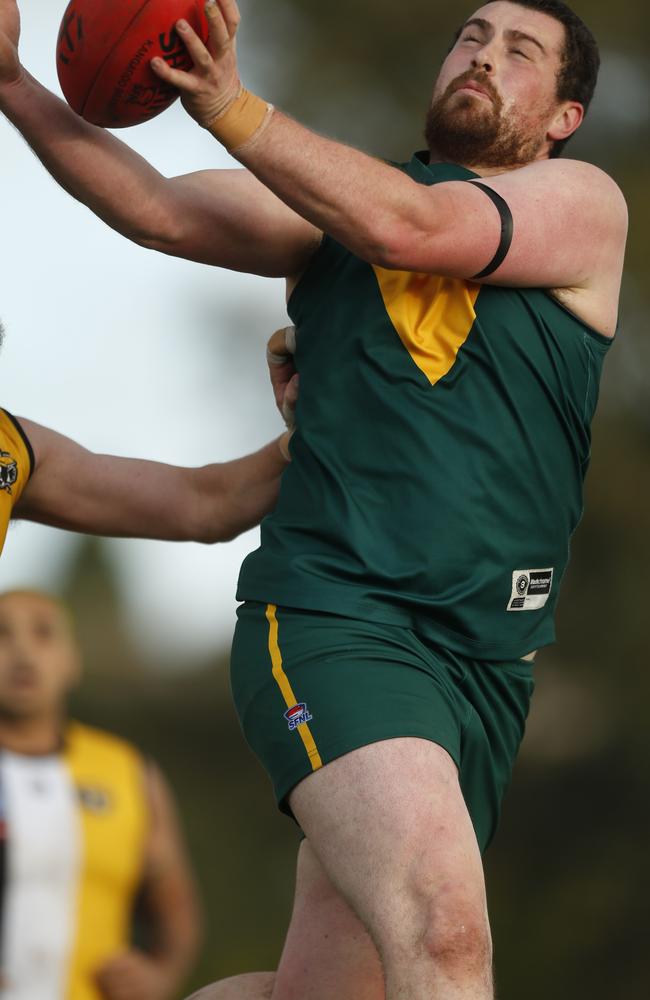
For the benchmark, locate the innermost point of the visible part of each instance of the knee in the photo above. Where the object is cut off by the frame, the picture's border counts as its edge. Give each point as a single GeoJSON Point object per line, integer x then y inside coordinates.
{"type": "Point", "coordinates": [456, 936]}
{"type": "Point", "coordinates": [249, 986]}
{"type": "Point", "coordinates": [447, 929]}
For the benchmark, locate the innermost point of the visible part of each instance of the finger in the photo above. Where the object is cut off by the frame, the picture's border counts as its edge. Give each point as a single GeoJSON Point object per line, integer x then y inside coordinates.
{"type": "Point", "coordinates": [198, 52]}
{"type": "Point", "coordinates": [291, 394]}
{"type": "Point", "coordinates": [281, 345]}
{"type": "Point", "coordinates": [280, 378]}
{"type": "Point", "coordinates": [288, 415]}
{"type": "Point", "coordinates": [290, 339]}
{"type": "Point", "coordinates": [288, 408]}
{"type": "Point", "coordinates": [230, 14]}
{"type": "Point", "coordinates": [220, 36]}
{"type": "Point", "coordinates": [186, 82]}
{"type": "Point", "coordinates": [283, 442]}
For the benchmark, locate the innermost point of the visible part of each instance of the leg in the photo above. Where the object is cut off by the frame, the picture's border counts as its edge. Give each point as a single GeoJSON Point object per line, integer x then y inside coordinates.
{"type": "Point", "coordinates": [251, 986]}
{"type": "Point", "coordinates": [390, 827]}
{"type": "Point", "coordinates": [328, 954]}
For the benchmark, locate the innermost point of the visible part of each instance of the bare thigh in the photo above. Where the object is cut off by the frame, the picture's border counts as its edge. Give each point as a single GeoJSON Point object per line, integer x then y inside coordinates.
{"type": "Point", "coordinates": [390, 827]}
{"type": "Point", "coordinates": [327, 953]}
{"type": "Point", "coordinates": [249, 986]}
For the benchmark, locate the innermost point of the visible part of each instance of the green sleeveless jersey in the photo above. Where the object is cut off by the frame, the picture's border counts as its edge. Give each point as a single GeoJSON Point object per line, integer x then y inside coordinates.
{"type": "Point", "coordinates": [443, 435]}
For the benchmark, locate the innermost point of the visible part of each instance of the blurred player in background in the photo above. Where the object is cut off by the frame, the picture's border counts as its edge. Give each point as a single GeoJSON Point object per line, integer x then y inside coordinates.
{"type": "Point", "coordinates": [453, 315]}
{"type": "Point", "coordinates": [89, 828]}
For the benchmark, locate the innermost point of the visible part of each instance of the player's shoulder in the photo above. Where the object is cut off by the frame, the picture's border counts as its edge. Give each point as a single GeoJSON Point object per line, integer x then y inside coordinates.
{"type": "Point", "coordinates": [85, 739]}
{"type": "Point", "coordinates": [579, 180]}
{"type": "Point", "coordinates": [574, 191]}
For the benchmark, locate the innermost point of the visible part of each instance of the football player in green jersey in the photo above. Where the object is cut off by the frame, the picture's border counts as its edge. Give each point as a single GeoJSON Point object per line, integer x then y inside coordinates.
{"type": "Point", "coordinates": [452, 318]}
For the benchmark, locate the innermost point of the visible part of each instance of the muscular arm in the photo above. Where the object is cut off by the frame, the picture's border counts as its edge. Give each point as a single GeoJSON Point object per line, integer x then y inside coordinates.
{"type": "Point", "coordinates": [570, 219]}
{"type": "Point", "coordinates": [76, 489]}
{"type": "Point", "coordinates": [221, 217]}
{"type": "Point", "coordinates": [568, 216]}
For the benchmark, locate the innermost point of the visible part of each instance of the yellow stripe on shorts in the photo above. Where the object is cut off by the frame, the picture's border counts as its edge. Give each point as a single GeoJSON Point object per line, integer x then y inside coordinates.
{"type": "Point", "coordinates": [287, 691]}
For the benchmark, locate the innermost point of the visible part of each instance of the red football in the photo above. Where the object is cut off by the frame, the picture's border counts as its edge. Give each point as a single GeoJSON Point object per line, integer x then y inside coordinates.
{"type": "Point", "coordinates": [103, 53]}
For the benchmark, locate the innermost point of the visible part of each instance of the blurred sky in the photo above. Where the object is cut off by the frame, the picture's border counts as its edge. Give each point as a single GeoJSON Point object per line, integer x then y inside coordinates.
{"type": "Point", "coordinates": [129, 352]}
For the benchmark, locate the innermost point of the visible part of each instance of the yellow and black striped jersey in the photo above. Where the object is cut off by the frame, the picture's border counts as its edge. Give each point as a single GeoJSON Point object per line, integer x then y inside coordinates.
{"type": "Point", "coordinates": [16, 466]}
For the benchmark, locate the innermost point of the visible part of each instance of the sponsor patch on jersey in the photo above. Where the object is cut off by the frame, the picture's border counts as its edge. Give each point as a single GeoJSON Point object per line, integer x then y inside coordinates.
{"type": "Point", "coordinates": [530, 589]}
{"type": "Point", "coordinates": [297, 714]}
{"type": "Point", "coordinates": [8, 471]}
{"type": "Point", "coordinates": [95, 800]}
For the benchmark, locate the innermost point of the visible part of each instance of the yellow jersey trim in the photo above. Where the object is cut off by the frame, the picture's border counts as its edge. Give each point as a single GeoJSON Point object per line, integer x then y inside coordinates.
{"type": "Point", "coordinates": [16, 462]}
{"type": "Point", "coordinates": [284, 684]}
{"type": "Point", "coordinates": [432, 315]}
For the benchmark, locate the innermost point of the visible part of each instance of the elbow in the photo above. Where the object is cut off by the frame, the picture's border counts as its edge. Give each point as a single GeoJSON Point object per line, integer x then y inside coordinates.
{"type": "Point", "coordinates": [394, 245]}
{"type": "Point", "coordinates": [158, 226]}
{"type": "Point", "coordinates": [166, 239]}
{"type": "Point", "coordinates": [210, 533]}
{"type": "Point", "coordinates": [208, 507]}
{"type": "Point", "coordinates": [216, 525]}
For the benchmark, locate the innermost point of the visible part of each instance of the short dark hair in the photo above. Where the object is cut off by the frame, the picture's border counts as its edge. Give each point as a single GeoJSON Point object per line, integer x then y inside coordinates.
{"type": "Point", "coordinates": [576, 80]}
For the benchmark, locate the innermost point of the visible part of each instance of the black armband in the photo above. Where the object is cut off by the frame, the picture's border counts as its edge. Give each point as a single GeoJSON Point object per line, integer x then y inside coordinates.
{"type": "Point", "coordinates": [507, 229]}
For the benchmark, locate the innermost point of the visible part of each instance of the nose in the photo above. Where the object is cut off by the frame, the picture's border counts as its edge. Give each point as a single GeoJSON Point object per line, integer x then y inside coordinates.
{"type": "Point", "coordinates": [484, 59]}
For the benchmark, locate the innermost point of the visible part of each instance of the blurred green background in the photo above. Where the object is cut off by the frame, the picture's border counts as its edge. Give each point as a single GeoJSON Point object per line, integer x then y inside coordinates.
{"type": "Point", "coordinates": [568, 874]}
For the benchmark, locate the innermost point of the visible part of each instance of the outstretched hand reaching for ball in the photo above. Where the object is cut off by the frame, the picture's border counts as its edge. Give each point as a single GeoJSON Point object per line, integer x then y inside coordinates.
{"type": "Point", "coordinates": [9, 36]}
{"type": "Point", "coordinates": [213, 84]}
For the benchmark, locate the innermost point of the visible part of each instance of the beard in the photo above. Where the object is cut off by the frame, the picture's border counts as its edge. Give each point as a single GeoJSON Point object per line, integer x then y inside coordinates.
{"type": "Point", "coordinates": [468, 130]}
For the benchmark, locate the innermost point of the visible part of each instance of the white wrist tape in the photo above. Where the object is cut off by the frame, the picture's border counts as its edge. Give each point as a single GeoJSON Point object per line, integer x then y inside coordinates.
{"type": "Point", "coordinates": [290, 345]}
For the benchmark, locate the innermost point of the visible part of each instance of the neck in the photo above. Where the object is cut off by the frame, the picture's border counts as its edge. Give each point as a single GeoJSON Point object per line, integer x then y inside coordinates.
{"type": "Point", "coordinates": [476, 168]}
{"type": "Point", "coordinates": [480, 168]}
{"type": "Point", "coordinates": [35, 736]}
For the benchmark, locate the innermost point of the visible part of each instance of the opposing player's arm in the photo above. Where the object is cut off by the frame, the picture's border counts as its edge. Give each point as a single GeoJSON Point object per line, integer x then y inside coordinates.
{"type": "Point", "coordinates": [168, 887]}
{"type": "Point", "coordinates": [170, 909]}
{"type": "Point", "coordinates": [79, 490]}
{"type": "Point", "coordinates": [227, 218]}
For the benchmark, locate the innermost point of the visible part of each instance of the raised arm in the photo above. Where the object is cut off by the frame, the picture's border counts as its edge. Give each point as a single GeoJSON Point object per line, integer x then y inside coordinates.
{"type": "Point", "coordinates": [74, 488]}
{"type": "Point", "coordinates": [570, 219]}
{"type": "Point", "coordinates": [225, 217]}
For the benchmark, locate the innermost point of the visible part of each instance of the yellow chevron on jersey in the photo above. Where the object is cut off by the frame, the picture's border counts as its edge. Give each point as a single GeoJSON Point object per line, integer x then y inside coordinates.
{"type": "Point", "coordinates": [108, 775]}
{"type": "Point", "coordinates": [16, 466]}
{"type": "Point", "coordinates": [432, 315]}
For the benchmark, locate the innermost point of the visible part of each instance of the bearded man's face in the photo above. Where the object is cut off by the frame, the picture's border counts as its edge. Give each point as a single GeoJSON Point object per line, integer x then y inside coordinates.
{"type": "Point", "coordinates": [496, 94]}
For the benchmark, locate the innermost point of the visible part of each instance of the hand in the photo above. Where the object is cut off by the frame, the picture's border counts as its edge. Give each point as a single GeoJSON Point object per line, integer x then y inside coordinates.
{"type": "Point", "coordinates": [132, 975]}
{"type": "Point", "coordinates": [284, 378]}
{"type": "Point", "coordinates": [10, 68]}
{"type": "Point", "coordinates": [213, 84]}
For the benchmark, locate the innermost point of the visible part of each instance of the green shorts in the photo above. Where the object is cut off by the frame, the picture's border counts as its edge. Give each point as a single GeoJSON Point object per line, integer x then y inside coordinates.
{"type": "Point", "coordinates": [310, 686]}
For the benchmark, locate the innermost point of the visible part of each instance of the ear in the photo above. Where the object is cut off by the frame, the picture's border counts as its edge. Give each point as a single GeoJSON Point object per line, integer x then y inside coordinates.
{"type": "Point", "coordinates": [566, 120]}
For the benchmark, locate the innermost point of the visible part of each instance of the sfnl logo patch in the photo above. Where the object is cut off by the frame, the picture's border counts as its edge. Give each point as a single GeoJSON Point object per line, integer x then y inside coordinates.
{"type": "Point", "coordinates": [530, 589]}
{"type": "Point", "coordinates": [297, 714]}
